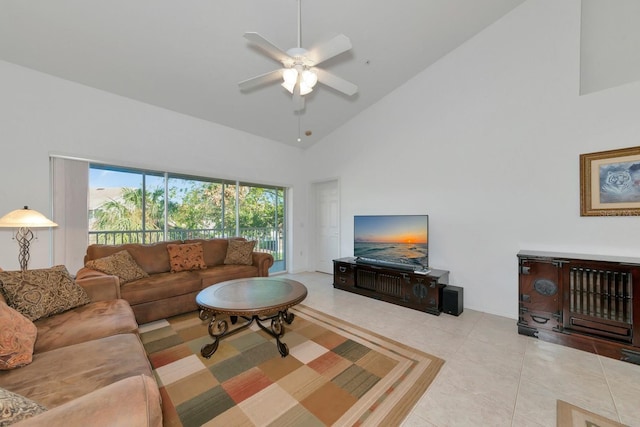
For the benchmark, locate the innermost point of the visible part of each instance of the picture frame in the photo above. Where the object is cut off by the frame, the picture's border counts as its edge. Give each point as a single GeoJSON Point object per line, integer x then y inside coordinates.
{"type": "Point", "coordinates": [610, 183]}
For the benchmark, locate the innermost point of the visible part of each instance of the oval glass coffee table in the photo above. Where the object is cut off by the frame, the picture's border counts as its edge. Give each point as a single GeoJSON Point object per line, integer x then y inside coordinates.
{"type": "Point", "coordinates": [255, 299]}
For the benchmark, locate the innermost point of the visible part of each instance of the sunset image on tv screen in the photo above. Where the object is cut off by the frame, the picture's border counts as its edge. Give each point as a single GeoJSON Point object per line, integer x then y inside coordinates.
{"type": "Point", "coordinates": [394, 238]}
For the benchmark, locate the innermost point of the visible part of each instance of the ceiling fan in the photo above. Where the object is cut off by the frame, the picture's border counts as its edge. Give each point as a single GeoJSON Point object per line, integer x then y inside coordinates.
{"type": "Point", "coordinates": [300, 73]}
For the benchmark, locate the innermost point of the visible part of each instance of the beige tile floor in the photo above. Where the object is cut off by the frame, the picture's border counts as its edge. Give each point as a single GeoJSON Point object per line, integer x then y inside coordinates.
{"type": "Point", "coordinates": [492, 375]}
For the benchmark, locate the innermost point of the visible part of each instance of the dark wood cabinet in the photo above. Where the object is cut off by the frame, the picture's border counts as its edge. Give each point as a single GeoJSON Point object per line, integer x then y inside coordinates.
{"type": "Point", "coordinates": [540, 299]}
{"type": "Point", "coordinates": [406, 288]}
{"type": "Point", "coordinates": [583, 301]}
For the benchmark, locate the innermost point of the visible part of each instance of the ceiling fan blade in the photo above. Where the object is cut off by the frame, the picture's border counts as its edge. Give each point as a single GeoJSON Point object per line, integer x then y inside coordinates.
{"type": "Point", "coordinates": [335, 82]}
{"type": "Point", "coordinates": [298, 100]}
{"type": "Point", "coordinates": [274, 51]}
{"type": "Point", "coordinates": [333, 47]}
{"type": "Point", "coordinates": [260, 80]}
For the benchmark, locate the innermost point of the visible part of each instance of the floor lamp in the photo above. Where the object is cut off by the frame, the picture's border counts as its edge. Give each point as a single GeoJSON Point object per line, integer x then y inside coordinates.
{"type": "Point", "coordinates": [24, 220]}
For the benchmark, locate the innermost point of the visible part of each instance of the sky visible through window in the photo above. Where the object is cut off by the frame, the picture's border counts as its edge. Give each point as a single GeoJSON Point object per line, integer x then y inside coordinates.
{"type": "Point", "coordinates": [101, 178]}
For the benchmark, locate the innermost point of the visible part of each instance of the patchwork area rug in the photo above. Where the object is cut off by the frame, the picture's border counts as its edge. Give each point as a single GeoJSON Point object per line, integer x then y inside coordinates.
{"type": "Point", "coordinates": [335, 374]}
{"type": "Point", "coordinates": [573, 416]}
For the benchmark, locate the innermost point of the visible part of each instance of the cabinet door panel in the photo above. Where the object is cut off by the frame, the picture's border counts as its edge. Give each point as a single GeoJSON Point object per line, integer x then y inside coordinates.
{"type": "Point", "coordinates": [424, 292]}
{"type": "Point", "coordinates": [598, 299]}
{"type": "Point", "coordinates": [540, 286]}
{"type": "Point", "coordinates": [343, 274]}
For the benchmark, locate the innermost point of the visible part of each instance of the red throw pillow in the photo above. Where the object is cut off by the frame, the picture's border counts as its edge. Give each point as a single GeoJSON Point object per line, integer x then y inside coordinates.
{"type": "Point", "coordinates": [186, 256]}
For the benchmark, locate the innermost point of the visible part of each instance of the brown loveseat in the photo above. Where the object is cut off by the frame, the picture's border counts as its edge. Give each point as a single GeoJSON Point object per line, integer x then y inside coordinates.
{"type": "Point", "coordinates": [163, 293]}
{"type": "Point", "coordinates": [88, 367]}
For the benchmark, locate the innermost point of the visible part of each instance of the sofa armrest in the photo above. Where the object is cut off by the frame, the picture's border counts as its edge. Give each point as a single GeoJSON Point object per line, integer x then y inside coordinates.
{"type": "Point", "coordinates": [133, 401]}
{"type": "Point", "coordinates": [263, 261]}
{"type": "Point", "coordinates": [99, 286]}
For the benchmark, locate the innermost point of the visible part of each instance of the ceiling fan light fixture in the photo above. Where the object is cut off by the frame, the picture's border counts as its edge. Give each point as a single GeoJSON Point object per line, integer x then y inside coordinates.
{"type": "Point", "coordinates": [309, 78]}
{"type": "Point", "coordinates": [304, 88]}
{"type": "Point", "coordinates": [289, 86]}
{"type": "Point", "coordinates": [290, 77]}
{"type": "Point", "coordinates": [300, 71]}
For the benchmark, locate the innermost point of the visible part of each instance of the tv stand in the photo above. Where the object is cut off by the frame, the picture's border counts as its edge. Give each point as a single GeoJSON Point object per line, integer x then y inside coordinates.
{"type": "Point", "coordinates": [418, 290]}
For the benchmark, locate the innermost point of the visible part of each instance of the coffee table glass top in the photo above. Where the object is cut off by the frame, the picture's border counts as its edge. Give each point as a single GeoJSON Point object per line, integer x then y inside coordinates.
{"type": "Point", "coordinates": [252, 295]}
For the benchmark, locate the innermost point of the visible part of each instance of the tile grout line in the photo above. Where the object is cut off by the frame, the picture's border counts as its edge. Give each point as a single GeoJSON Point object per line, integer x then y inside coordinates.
{"type": "Point", "coordinates": [515, 403]}
{"type": "Point", "coordinates": [606, 379]}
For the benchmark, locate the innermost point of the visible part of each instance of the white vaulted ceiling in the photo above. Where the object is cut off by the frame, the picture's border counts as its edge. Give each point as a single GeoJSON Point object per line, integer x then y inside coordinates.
{"type": "Point", "coordinates": [188, 56]}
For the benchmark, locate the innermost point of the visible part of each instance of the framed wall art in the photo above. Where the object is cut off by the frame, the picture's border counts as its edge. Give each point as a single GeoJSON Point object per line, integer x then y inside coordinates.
{"type": "Point", "coordinates": [610, 183]}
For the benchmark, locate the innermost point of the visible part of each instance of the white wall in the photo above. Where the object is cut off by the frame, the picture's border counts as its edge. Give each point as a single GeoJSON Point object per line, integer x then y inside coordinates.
{"type": "Point", "coordinates": [41, 114]}
{"type": "Point", "coordinates": [609, 43]}
{"type": "Point", "coordinates": [487, 143]}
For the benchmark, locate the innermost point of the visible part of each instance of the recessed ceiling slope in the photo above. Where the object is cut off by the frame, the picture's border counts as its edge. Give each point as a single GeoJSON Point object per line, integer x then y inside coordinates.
{"type": "Point", "coordinates": [188, 56]}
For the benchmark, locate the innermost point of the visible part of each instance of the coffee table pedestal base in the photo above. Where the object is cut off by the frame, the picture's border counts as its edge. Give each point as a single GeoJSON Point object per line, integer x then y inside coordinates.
{"type": "Point", "coordinates": [219, 329]}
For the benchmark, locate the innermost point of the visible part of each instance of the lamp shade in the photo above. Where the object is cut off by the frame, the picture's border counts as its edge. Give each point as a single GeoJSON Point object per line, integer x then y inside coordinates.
{"type": "Point", "coordinates": [26, 218]}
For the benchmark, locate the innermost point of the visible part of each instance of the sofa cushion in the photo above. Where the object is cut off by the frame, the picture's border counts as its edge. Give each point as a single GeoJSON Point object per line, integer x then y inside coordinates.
{"type": "Point", "coordinates": [186, 256]}
{"type": "Point", "coordinates": [17, 336]}
{"type": "Point", "coordinates": [215, 250]}
{"type": "Point", "coordinates": [240, 252]}
{"type": "Point", "coordinates": [96, 320]}
{"type": "Point", "coordinates": [133, 401]}
{"type": "Point", "coordinates": [222, 273]}
{"type": "Point", "coordinates": [43, 292]}
{"type": "Point", "coordinates": [14, 408]}
{"type": "Point", "coordinates": [61, 375]}
{"type": "Point", "coordinates": [120, 264]}
{"type": "Point", "coordinates": [161, 286]}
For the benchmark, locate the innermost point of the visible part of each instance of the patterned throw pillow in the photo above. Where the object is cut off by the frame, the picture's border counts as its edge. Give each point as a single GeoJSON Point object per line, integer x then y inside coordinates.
{"type": "Point", "coordinates": [43, 292]}
{"type": "Point", "coordinates": [240, 252]}
{"type": "Point", "coordinates": [14, 408]}
{"type": "Point", "coordinates": [17, 336]}
{"type": "Point", "coordinates": [120, 264]}
{"type": "Point", "coordinates": [187, 256]}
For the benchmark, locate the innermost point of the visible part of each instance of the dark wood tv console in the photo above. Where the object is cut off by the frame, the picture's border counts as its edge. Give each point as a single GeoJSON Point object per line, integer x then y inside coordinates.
{"type": "Point", "coordinates": [403, 287]}
{"type": "Point", "coordinates": [582, 301]}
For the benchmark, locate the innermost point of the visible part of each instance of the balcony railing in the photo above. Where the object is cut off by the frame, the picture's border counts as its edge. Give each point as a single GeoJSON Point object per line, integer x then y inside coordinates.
{"type": "Point", "coordinates": [268, 239]}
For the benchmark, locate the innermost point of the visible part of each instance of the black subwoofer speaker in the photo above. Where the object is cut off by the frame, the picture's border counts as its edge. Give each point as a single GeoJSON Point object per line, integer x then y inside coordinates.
{"type": "Point", "coordinates": [452, 297]}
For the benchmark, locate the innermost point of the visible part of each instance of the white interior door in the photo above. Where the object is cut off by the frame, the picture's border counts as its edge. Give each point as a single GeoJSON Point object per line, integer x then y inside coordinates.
{"type": "Point", "coordinates": [327, 225]}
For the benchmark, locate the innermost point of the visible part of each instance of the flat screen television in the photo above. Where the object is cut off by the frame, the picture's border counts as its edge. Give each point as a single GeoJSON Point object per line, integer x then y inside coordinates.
{"type": "Point", "coordinates": [396, 239]}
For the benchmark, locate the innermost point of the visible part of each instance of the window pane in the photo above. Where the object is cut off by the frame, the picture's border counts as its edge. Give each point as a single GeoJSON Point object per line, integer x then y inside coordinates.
{"type": "Point", "coordinates": [154, 201]}
{"type": "Point", "coordinates": [229, 218]}
{"type": "Point", "coordinates": [115, 206]}
{"type": "Point", "coordinates": [261, 217]}
{"type": "Point", "coordinates": [195, 209]}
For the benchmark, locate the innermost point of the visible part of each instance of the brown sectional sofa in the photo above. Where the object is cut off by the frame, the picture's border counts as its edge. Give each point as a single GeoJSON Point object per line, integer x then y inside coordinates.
{"type": "Point", "coordinates": [163, 293]}
{"type": "Point", "coordinates": [89, 366]}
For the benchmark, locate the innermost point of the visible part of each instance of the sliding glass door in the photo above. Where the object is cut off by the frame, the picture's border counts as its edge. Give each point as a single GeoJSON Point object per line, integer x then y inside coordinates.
{"type": "Point", "coordinates": [129, 205]}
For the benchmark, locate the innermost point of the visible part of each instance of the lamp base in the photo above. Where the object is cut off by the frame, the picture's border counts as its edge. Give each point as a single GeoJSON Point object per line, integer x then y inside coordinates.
{"type": "Point", "coordinates": [24, 236]}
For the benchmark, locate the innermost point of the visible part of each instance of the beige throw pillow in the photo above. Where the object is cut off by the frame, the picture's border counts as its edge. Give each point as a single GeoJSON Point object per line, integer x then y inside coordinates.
{"type": "Point", "coordinates": [186, 256]}
{"type": "Point", "coordinates": [17, 337]}
{"type": "Point", "coordinates": [240, 252]}
{"type": "Point", "coordinates": [43, 292]}
{"type": "Point", "coordinates": [120, 264]}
